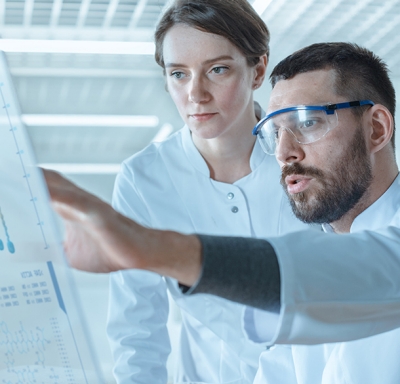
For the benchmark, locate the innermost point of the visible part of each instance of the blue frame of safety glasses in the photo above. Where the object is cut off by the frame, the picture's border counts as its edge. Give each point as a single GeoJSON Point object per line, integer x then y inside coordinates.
{"type": "Point", "coordinates": [328, 108]}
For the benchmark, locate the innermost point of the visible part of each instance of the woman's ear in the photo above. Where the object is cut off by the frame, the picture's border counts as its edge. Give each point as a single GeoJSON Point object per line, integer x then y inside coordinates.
{"type": "Point", "coordinates": [381, 127]}
{"type": "Point", "coordinates": [260, 71]}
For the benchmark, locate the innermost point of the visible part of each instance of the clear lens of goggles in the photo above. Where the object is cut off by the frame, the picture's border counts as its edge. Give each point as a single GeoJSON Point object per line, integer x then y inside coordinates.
{"type": "Point", "coordinates": [307, 126]}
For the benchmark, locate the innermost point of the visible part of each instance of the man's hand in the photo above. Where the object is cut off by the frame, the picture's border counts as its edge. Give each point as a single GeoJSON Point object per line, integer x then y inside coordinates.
{"type": "Point", "coordinates": [89, 243]}
{"type": "Point", "coordinates": [99, 239]}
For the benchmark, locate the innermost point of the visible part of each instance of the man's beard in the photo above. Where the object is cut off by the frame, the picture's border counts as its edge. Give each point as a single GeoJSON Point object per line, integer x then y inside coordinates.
{"type": "Point", "coordinates": [342, 186]}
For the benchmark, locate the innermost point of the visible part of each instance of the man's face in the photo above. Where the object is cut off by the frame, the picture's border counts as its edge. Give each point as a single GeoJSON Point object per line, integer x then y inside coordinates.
{"type": "Point", "coordinates": [327, 178]}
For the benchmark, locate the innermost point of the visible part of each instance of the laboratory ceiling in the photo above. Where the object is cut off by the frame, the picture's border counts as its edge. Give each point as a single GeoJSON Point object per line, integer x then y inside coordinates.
{"type": "Point", "coordinates": [55, 87]}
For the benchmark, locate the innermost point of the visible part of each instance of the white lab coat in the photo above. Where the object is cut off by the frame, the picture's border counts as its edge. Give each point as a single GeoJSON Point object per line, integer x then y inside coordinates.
{"type": "Point", "coordinates": [339, 297]}
{"type": "Point", "coordinates": [168, 186]}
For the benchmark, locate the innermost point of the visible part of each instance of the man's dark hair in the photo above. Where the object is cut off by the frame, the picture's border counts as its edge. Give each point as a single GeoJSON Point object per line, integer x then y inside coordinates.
{"type": "Point", "coordinates": [360, 74]}
{"type": "Point", "coordinates": [236, 20]}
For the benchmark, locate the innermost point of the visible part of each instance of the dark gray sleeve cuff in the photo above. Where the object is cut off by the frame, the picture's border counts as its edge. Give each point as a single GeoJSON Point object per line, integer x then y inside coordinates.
{"type": "Point", "coordinates": [244, 270]}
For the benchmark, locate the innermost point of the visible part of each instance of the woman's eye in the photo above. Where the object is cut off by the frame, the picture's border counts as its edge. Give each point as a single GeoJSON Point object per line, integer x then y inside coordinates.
{"type": "Point", "coordinates": [177, 75]}
{"type": "Point", "coordinates": [219, 70]}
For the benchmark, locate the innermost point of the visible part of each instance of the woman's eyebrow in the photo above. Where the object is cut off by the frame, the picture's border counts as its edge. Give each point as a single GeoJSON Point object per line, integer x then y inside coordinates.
{"type": "Point", "coordinates": [214, 59]}
{"type": "Point", "coordinates": [222, 57]}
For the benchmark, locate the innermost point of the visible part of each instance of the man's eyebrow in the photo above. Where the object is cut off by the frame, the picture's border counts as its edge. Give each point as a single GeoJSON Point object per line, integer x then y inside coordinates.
{"type": "Point", "coordinates": [213, 60]}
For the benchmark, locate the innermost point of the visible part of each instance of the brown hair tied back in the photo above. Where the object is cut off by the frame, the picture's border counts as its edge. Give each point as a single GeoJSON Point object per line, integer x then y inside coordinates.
{"type": "Point", "coordinates": [235, 20]}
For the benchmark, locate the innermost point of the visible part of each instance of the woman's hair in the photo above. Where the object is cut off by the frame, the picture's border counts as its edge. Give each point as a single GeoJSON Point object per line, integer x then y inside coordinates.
{"type": "Point", "coordinates": [235, 20]}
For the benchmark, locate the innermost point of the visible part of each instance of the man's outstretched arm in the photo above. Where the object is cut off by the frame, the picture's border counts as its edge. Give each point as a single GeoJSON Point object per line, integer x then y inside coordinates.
{"type": "Point", "coordinates": [333, 288]}
{"type": "Point", "coordinates": [99, 239]}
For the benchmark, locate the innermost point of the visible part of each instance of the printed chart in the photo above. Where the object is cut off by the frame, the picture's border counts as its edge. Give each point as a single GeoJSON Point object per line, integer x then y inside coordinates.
{"type": "Point", "coordinates": [43, 337]}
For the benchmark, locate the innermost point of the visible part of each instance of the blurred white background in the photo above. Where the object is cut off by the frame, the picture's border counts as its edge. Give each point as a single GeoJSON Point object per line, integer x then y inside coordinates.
{"type": "Point", "coordinates": [88, 106]}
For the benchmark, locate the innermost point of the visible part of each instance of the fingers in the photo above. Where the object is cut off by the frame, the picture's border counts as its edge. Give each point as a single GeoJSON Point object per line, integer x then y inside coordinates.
{"type": "Point", "coordinates": [98, 239]}
{"type": "Point", "coordinates": [68, 200]}
{"type": "Point", "coordinates": [56, 185]}
{"type": "Point", "coordinates": [74, 203]}
{"type": "Point", "coordinates": [59, 187]}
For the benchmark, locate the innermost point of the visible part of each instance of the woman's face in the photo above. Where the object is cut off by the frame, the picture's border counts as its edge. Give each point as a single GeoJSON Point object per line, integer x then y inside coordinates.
{"type": "Point", "coordinates": [209, 81]}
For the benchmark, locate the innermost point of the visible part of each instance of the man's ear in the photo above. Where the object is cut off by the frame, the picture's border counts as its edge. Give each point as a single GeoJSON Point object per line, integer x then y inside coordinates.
{"type": "Point", "coordinates": [381, 127]}
{"type": "Point", "coordinates": [260, 71]}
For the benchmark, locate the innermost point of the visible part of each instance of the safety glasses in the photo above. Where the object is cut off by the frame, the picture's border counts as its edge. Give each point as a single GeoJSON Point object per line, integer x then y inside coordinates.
{"type": "Point", "coordinates": [307, 123]}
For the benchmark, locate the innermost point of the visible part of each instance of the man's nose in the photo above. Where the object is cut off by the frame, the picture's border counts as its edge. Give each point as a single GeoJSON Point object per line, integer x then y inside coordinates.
{"type": "Point", "coordinates": [198, 92]}
{"type": "Point", "coordinates": [288, 150]}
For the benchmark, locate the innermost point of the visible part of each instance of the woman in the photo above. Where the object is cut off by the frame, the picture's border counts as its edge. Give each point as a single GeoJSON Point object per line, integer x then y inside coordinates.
{"type": "Point", "coordinates": [210, 177]}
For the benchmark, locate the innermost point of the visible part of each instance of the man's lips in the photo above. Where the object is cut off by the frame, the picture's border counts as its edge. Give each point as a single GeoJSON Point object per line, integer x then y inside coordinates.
{"type": "Point", "coordinates": [297, 183]}
{"type": "Point", "coordinates": [203, 116]}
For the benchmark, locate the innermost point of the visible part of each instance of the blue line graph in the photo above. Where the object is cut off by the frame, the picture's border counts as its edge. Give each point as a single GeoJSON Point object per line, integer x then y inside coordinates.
{"type": "Point", "coordinates": [10, 244]}
{"type": "Point", "coordinates": [6, 106]}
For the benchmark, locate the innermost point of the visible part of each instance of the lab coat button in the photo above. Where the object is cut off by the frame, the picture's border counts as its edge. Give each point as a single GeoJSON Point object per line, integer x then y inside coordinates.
{"type": "Point", "coordinates": [230, 195]}
{"type": "Point", "coordinates": [235, 209]}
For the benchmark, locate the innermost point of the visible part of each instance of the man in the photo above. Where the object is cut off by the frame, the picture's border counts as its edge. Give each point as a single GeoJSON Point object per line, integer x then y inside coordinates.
{"type": "Point", "coordinates": [330, 124]}
{"type": "Point", "coordinates": [326, 288]}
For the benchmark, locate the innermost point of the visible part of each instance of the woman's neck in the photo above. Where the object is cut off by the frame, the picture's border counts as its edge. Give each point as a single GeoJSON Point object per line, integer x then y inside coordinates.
{"type": "Point", "coordinates": [228, 157]}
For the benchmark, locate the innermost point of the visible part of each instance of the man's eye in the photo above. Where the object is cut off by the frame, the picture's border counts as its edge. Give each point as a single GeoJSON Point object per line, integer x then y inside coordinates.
{"type": "Point", "coordinates": [310, 123]}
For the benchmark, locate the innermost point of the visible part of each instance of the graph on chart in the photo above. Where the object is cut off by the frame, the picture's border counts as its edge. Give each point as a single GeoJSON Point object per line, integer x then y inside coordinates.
{"type": "Point", "coordinates": [43, 338]}
{"type": "Point", "coordinates": [9, 244]}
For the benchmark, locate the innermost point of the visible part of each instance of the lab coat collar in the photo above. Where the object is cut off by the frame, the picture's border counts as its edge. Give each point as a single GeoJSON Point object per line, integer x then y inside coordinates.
{"type": "Point", "coordinates": [381, 212]}
{"type": "Point", "coordinates": [197, 161]}
{"type": "Point", "coordinates": [327, 228]}
{"type": "Point", "coordinates": [192, 152]}
{"type": "Point", "coordinates": [377, 215]}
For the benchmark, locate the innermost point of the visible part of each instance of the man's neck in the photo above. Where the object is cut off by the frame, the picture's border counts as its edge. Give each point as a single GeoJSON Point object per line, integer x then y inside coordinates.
{"type": "Point", "coordinates": [377, 189]}
{"type": "Point", "coordinates": [343, 225]}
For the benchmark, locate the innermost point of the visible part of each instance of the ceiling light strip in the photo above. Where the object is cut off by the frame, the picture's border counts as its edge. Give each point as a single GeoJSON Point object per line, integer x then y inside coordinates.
{"type": "Point", "coordinates": [77, 47]}
{"type": "Point", "coordinates": [90, 120]}
{"type": "Point", "coordinates": [55, 13]}
{"type": "Point", "coordinates": [140, 6]}
{"type": "Point", "coordinates": [28, 10]}
{"type": "Point", "coordinates": [111, 9]}
{"type": "Point", "coordinates": [83, 12]}
{"type": "Point", "coordinates": [85, 72]}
